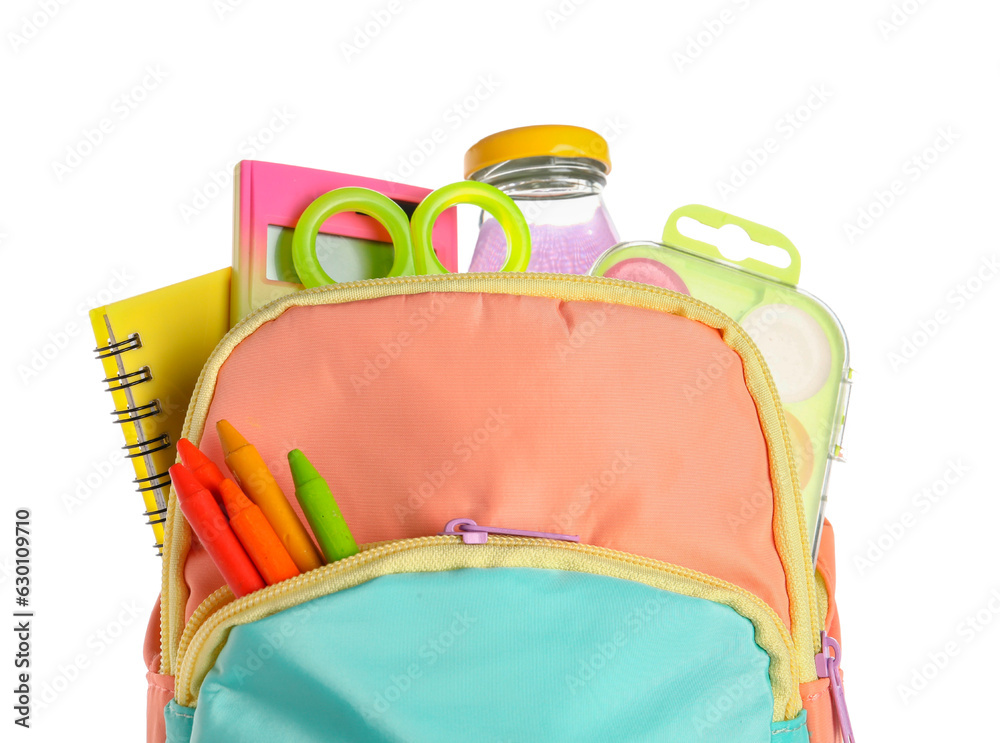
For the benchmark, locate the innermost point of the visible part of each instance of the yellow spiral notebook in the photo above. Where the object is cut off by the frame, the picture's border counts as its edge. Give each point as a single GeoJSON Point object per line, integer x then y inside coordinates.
{"type": "Point", "coordinates": [152, 348]}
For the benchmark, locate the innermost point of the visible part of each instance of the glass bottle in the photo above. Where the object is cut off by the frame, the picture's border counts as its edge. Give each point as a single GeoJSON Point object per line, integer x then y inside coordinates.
{"type": "Point", "coordinates": [555, 174]}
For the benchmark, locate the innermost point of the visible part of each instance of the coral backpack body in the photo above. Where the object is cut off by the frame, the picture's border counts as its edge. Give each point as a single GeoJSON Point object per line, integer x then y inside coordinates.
{"type": "Point", "coordinates": [510, 412]}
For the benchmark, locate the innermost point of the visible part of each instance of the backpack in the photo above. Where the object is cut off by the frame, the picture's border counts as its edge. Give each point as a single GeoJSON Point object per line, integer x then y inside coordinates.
{"type": "Point", "coordinates": [470, 426]}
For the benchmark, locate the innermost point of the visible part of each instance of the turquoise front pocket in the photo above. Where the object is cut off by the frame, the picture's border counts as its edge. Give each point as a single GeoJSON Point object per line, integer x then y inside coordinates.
{"type": "Point", "coordinates": [498, 655]}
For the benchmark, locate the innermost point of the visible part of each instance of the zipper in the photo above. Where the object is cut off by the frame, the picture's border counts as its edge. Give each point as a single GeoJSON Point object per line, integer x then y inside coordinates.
{"type": "Point", "coordinates": [212, 603]}
{"type": "Point", "coordinates": [828, 666]}
{"type": "Point", "coordinates": [206, 636]}
{"type": "Point", "coordinates": [790, 534]}
{"type": "Point", "coordinates": [473, 533]}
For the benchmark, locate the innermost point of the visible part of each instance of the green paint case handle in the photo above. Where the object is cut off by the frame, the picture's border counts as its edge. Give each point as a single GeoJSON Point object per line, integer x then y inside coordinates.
{"type": "Point", "coordinates": [378, 206]}
{"type": "Point", "coordinates": [757, 232]}
{"type": "Point", "coordinates": [487, 198]}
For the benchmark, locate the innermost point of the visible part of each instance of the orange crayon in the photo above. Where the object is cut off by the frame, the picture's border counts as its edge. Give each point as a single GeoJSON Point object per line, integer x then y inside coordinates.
{"type": "Point", "coordinates": [209, 523]}
{"type": "Point", "coordinates": [255, 479]}
{"type": "Point", "coordinates": [203, 468]}
{"type": "Point", "coordinates": [256, 535]}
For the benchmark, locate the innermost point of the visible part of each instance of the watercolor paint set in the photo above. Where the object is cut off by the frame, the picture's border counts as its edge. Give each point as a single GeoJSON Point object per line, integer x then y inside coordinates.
{"type": "Point", "coordinates": [801, 339]}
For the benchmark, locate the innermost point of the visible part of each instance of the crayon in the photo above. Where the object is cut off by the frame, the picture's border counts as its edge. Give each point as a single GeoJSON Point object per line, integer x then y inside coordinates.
{"type": "Point", "coordinates": [209, 523]}
{"type": "Point", "coordinates": [257, 536]}
{"type": "Point", "coordinates": [321, 509]}
{"type": "Point", "coordinates": [203, 468]}
{"type": "Point", "coordinates": [255, 479]}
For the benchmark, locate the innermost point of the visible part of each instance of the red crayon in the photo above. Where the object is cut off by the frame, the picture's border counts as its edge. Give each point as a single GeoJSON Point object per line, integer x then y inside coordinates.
{"type": "Point", "coordinates": [203, 468]}
{"type": "Point", "coordinates": [210, 524]}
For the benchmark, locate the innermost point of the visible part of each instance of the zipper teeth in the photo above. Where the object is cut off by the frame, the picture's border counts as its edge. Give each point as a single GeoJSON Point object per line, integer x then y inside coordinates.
{"type": "Point", "coordinates": [171, 664]}
{"type": "Point", "coordinates": [206, 608]}
{"type": "Point", "coordinates": [815, 622]}
{"type": "Point", "coordinates": [208, 620]}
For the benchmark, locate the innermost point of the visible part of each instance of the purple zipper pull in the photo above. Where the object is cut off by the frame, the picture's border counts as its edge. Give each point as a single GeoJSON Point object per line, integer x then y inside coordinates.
{"type": "Point", "coordinates": [828, 666]}
{"type": "Point", "coordinates": [473, 533]}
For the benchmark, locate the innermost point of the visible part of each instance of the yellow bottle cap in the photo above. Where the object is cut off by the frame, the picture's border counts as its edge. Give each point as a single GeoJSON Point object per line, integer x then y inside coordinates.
{"type": "Point", "coordinates": [548, 140]}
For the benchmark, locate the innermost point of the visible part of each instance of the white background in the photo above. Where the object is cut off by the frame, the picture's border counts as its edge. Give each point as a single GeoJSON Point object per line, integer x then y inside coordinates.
{"type": "Point", "coordinates": [677, 127]}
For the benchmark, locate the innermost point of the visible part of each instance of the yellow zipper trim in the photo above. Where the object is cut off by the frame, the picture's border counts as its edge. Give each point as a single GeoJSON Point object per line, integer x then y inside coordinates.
{"type": "Point", "coordinates": [443, 553]}
{"type": "Point", "coordinates": [822, 598]}
{"type": "Point", "coordinates": [789, 527]}
{"type": "Point", "coordinates": [212, 603]}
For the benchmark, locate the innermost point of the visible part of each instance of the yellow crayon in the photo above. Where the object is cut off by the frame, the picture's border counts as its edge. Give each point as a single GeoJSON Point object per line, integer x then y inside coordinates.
{"type": "Point", "coordinates": [255, 479]}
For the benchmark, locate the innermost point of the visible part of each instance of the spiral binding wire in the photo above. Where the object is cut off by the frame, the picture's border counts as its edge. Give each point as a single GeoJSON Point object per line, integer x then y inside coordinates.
{"type": "Point", "coordinates": [116, 349]}
{"type": "Point", "coordinates": [123, 381]}
{"type": "Point", "coordinates": [157, 482]}
{"type": "Point", "coordinates": [149, 446]}
{"type": "Point", "coordinates": [159, 515]}
{"type": "Point", "coordinates": [127, 379]}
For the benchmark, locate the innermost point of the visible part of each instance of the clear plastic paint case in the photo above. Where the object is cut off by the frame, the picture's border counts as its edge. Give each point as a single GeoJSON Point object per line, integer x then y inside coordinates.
{"type": "Point", "coordinates": [801, 339]}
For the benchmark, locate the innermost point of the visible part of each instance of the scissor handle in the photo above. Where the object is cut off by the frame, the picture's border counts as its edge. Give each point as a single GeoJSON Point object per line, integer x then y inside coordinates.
{"type": "Point", "coordinates": [350, 199]}
{"type": "Point", "coordinates": [486, 197]}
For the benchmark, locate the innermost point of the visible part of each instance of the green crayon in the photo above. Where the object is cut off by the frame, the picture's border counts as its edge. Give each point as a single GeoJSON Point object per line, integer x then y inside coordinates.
{"type": "Point", "coordinates": [321, 510]}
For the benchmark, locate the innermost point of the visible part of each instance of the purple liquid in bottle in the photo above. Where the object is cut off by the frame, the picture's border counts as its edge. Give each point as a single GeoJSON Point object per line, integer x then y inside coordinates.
{"type": "Point", "coordinates": [555, 248]}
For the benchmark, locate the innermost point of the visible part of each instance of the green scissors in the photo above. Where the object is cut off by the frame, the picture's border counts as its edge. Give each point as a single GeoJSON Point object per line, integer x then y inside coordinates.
{"type": "Point", "coordinates": [414, 253]}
